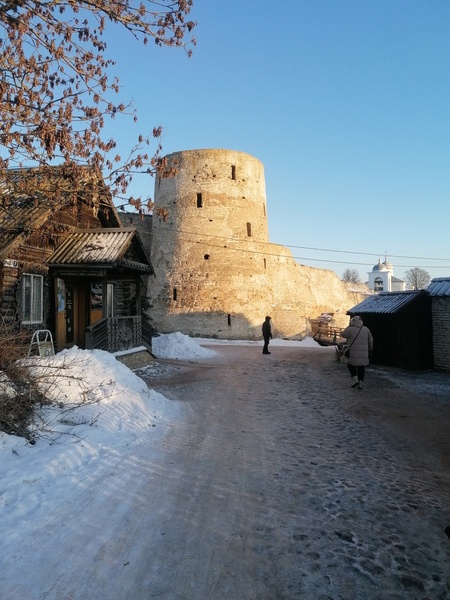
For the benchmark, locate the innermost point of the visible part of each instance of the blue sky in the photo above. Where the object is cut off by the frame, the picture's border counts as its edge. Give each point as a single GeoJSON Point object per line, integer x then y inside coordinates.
{"type": "Point", "coordinates": [345, 102]}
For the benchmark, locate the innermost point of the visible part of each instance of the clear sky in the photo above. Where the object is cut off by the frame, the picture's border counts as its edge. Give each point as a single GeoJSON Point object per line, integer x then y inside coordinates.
{"type": "Point", "coordinates": [345, 102]}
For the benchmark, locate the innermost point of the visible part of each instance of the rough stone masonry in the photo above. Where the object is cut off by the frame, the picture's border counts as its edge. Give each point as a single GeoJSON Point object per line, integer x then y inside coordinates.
{"type": "Point", "coordinates": [217, 274]}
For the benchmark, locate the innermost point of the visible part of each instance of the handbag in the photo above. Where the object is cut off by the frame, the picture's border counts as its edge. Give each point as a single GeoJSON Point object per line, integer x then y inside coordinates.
{"type": "Point", "coordinates": [347, 350]}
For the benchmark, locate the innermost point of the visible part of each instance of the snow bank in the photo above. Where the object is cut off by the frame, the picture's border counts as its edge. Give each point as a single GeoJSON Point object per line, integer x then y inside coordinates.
{"type": "Point", "coordinates": [91, 391]}
{"type": "Point", "coordinates": [178, 345]}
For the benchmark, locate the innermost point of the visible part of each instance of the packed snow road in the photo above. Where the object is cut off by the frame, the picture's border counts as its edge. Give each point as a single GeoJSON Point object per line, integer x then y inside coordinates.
{"type": "Point", "coordinates": [285, 483]}
{"type": "Point", "coordinates": [272, 480]}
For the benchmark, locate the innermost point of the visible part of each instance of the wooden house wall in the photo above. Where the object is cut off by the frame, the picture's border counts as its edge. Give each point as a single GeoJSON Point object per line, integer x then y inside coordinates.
{"type": "Point", "coordinates": [32, 251]}
{"type": "Point", "coordinates": [9, 278]}
{"type": "Point", "coordinates": [125, 298]}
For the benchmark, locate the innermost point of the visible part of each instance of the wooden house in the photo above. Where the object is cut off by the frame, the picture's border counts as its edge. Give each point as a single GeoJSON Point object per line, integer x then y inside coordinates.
{"type": "Point", "coordinates": [67, 264]}
{"type": "Point", "coordinates": [439, 291]}
{"type": "Point", "coordinates": [401, 326]}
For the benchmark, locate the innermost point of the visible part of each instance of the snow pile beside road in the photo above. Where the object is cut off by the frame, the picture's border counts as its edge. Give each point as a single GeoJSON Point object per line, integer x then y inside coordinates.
{"type": "Point", "coordinates": [178, 345]}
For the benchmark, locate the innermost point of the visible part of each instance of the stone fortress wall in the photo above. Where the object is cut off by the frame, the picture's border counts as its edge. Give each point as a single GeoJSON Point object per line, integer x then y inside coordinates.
{"type": "Point", "coordinates": [217, 274]}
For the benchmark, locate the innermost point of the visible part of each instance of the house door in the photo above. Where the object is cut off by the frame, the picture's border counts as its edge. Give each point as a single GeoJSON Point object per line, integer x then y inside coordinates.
{"type": "Point", "coordinates": [73, 313]}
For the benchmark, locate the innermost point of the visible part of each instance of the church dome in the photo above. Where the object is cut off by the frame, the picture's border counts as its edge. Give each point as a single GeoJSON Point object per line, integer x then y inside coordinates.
{"type": "Point", "coordinates": [380, 266]}
{"type": "Point", "coordinates": [383, 266]}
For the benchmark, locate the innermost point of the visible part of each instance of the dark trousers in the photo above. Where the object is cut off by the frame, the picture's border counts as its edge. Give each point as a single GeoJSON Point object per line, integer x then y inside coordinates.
{"type": "Point", "coordinates": [266, 345]}
{"type": "Point", "coordinates": [358, 371]}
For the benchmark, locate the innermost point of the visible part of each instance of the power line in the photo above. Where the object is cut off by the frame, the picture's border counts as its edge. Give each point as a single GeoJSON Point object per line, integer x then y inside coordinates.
{"type": "Point", "coordinates": [240, 240]}
{"type": "Point", "coordinates": [367, 253]}
{"type": "Point", "coordinates": [302, 258]}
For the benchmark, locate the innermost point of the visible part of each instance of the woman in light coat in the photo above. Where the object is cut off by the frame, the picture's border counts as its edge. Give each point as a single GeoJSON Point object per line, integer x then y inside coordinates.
{"type": "Point", "coordinates": [360, 341]}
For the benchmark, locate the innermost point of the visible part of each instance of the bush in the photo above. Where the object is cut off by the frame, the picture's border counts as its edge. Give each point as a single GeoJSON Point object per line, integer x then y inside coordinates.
{"type": "Point", "coordinates": [18, 390]}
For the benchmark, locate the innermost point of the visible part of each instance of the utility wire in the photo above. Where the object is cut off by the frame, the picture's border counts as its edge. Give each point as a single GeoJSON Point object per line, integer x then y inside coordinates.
{"type": "Point", "coordinates": [367, 253]}
{"type": "Point", "coordinates": [241, 240]}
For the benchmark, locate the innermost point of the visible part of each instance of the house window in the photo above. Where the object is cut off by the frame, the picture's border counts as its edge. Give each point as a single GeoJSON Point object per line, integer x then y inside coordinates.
{"type": "Point", "coordinates": [32, 299]}
{"type": "Point", "coordinates": [199, 200]}
{"type": "Point", "coordinates": [233, 172]}
{"type": "Point", "coordinates": [249, 229]}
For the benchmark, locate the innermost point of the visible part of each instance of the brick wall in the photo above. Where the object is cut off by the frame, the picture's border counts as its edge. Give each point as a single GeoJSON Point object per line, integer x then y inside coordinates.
{"type": "Point", "coordinates": [440, 307]}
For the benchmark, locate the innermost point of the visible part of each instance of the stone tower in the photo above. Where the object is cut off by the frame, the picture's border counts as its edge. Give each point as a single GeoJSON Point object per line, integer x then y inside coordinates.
{"type": "Point", "coordinates": [209, 245]}
{"type": "Point", "coordinates": [216, 273]}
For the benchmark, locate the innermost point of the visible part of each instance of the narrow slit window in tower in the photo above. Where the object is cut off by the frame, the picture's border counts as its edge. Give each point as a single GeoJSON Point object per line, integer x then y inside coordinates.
{"type": "Point", "coordinates": [233, 172]}
{"type": "Point", "coordinates": [174, 294]}
{"type": "Point", "coordinates": [265, 264]}
{"type": "Point", "coordinates": [229, 320]}
{"type": "Point", "coordinates": [199, 200]}
{"type": "Point", "coordinates": [249, 229]}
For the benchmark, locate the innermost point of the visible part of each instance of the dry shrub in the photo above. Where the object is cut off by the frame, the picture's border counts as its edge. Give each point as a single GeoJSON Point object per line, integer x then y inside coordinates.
{"type": "Point", "coordinates": [18, 389]}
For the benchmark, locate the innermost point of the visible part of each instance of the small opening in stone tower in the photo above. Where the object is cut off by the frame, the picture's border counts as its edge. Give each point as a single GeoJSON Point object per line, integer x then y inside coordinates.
{"type": "Point", "coordinates": [174, 293]}
{"type": "Point", "coordinates": [229, 320]}
{"type": "Point", "coordinates": [233, 172]}
{"type": "Point", "coordinates": [199, 200]}
{"type": "Point", "coordinates": [249, 229]}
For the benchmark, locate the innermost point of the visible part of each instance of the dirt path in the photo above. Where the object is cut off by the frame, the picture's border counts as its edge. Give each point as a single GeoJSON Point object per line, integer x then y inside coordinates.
{"type": "Point", "coordinates": [284, 483]}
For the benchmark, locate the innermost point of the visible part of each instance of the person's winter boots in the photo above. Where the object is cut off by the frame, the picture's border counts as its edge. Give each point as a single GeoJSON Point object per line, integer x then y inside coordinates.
{"type": "Point", "coordinates": [355, 381]}
{"type": "Point", "coordinates": [360, 385]}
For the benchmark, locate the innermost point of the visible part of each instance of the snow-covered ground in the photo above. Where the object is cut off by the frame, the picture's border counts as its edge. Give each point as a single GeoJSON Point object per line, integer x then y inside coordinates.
{"type": "Point", "coordinates": [101, 410]}
{"type": "Point", "coordinates": [105, 427]}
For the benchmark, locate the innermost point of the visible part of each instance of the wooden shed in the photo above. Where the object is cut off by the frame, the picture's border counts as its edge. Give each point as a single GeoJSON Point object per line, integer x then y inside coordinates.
{"type": "Point", "coordinates": [401, 326]}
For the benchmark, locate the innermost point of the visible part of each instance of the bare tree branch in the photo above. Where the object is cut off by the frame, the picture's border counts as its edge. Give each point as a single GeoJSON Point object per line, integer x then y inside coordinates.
{"type": "Point", "coordinates": [57, 81]}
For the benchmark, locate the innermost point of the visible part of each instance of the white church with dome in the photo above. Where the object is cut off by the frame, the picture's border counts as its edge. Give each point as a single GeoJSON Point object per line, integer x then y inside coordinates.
{"type": "Point", "coordinates": [381, 278]}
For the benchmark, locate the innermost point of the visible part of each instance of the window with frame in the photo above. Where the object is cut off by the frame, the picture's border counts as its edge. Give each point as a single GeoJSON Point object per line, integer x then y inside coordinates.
{"type": "Point", "coordinates": [32, 299]}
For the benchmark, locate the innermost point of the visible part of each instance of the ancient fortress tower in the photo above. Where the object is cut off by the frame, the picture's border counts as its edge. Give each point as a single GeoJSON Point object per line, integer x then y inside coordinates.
{"type": "Point", "coordinates": [217, 274]}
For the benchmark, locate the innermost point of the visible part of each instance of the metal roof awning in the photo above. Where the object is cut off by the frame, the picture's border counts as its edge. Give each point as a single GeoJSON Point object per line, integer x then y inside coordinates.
{"type": "Point", "coordinates": [386, 302]}
{"type": "Point", "coordinates": [101, 248]}
{"type": "Point", "coordinates": [440, 286]}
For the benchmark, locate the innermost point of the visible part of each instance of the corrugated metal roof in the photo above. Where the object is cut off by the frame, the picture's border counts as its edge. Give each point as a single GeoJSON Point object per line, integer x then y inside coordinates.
{"type": "Point", "coordinates": [385, 302]}
{"type": "Point", "coordinates": [439, 286]}
{"type": "Point", "coordinates": [97, 246]}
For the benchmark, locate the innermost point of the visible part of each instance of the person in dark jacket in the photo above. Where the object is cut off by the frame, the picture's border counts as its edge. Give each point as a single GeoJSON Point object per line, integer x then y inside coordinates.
{"type": "Point", "coordinates": [360, 342]}
{"type": "Point", "coordinates": [267, 334]}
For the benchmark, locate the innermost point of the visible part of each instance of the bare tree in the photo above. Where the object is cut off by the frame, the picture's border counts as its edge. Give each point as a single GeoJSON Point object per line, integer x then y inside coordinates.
{"type": "Point", "coordinates": [57, 81]}
{"type": "Point", "coordinates": [351, 276]}
{"type": "Point", "coordinates": [417, 279]}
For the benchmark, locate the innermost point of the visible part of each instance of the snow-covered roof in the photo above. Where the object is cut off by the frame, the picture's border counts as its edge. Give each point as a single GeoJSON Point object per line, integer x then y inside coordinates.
{"type": "Point", "coordinates": [107, 246]}
{"type": "Point", "coordinates": [439, 286]}
{"type": "Point", "coordinates": [385, 302]}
